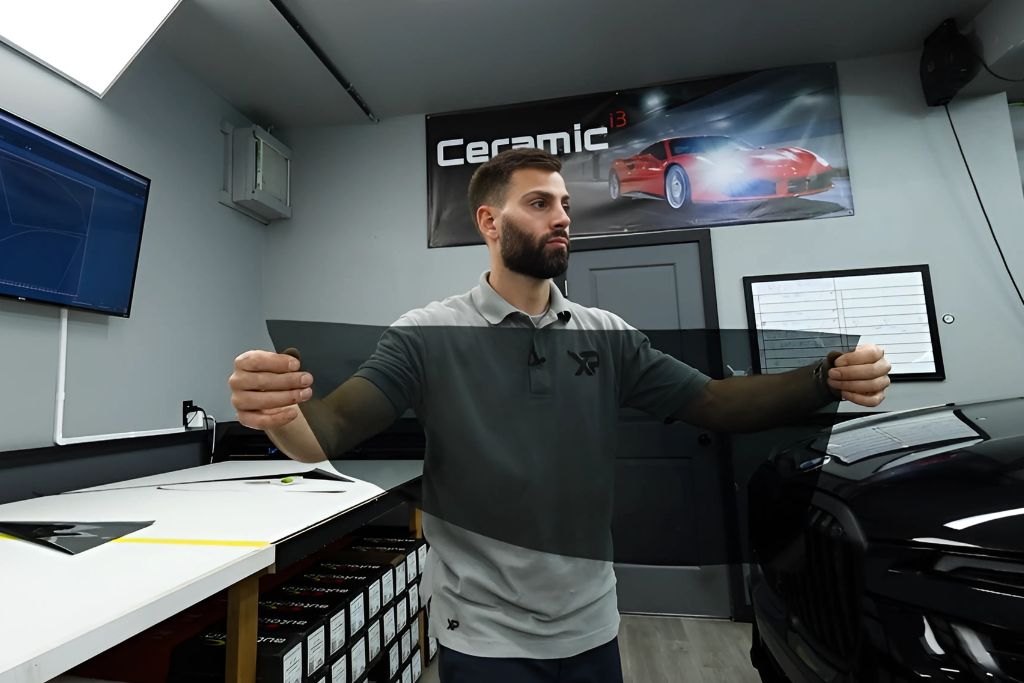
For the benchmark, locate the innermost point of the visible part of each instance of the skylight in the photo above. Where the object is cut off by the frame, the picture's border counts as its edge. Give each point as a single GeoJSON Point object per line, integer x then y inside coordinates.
{"type": "Point", "coordinates": [90, 43]}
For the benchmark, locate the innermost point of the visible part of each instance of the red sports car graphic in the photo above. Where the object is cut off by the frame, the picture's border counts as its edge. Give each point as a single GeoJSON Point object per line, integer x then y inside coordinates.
{"type": "Point", "coordinates": [716, 168]}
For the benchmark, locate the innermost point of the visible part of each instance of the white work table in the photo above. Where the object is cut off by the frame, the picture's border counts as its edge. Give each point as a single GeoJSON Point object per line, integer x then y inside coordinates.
{"type": "Point", "coordinates": [207, 535]}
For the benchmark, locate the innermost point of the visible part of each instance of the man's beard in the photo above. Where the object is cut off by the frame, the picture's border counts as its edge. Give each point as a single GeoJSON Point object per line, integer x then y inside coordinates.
{"type": "Point", "coordinates": [525, 256]}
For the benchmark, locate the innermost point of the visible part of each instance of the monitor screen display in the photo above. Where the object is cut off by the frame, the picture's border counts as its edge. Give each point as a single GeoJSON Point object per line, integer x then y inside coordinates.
{"type": "Point", "coordinates": [797, 318]}
{"type": "Point", "coordinates": [70, 221]}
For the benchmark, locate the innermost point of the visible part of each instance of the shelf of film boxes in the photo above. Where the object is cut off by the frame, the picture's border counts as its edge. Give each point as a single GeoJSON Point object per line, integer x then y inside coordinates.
{"type": "Point", "coordinates": [349, 614]}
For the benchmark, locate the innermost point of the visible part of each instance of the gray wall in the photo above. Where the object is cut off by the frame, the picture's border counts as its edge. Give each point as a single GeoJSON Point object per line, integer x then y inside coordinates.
{"type": "Point", "coordinates": [198, 292]}
{"type": "Point", "coordinates": [356, 252]}
{"type": "Point", "coordinates": [356, 249]}
{"type": "Point", "coordinates": [1017, 121]}
{"type": "Point", "coordinates": [914, 204]}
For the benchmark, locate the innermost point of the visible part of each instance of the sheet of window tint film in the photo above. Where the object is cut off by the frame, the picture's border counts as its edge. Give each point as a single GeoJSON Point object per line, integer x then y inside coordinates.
{"type": "Point", "coordinates": [584, 404]}
{"type": "Point", "coordinates": [70, 537]}
{"type": "Point", "coordinates": [886, 309]}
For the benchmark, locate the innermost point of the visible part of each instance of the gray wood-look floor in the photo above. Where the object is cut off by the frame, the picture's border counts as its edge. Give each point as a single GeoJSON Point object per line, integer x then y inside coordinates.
{"type": "Point", "coordinates": [676, 650]}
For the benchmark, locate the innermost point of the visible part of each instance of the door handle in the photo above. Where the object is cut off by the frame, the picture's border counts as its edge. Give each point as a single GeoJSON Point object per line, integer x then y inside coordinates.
{"type": "Point", "coordinates": [704, 439]}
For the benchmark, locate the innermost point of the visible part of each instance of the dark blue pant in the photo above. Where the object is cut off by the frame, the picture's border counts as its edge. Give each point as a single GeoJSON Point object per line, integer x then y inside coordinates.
{"type": "Point", "coordinates": [600, 665]}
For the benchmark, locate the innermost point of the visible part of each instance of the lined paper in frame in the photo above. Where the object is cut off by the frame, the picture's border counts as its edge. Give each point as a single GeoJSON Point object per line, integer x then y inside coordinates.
{"type": "Point", "coordinates": [798, 321]}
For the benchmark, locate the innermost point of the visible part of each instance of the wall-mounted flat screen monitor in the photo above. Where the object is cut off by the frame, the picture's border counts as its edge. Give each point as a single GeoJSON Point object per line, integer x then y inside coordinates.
{"type": "Point", "coordinates": [797, 318]}
{"type": "Point", "coordinates": [70, 221]}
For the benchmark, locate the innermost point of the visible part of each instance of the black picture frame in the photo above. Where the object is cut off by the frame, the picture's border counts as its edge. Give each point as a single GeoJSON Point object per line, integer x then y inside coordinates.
{"type": "Point", "coordinates": [940, 372]}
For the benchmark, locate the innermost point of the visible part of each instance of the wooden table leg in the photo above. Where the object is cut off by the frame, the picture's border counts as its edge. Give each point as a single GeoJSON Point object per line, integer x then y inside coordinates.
{"type": "Point", "coordinates": [243, 601]}
{"type": "Point", "coordinates": [416, 522]}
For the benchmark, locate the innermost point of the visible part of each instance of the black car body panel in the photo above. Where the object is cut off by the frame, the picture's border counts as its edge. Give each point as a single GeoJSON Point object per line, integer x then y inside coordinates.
{"type": "Point", "coordinates": [892, 549]}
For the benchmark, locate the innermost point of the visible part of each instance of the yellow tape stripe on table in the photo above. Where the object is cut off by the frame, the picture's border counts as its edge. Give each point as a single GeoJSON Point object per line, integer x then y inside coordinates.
{"type": "Point", "coordinates": [174, 541]}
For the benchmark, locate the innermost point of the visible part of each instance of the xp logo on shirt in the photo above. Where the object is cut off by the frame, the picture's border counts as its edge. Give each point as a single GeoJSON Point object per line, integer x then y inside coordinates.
{"type": "Point", "coordinates": [588, 362]}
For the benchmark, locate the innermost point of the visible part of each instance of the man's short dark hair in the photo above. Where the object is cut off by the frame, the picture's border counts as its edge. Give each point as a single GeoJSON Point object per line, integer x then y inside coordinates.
{"type": "Point", "coordinates": [490, 182]}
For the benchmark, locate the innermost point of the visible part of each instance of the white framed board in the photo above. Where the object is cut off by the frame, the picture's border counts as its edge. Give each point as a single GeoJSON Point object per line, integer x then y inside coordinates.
{"type": "Point", "coordinates": [796, 318]}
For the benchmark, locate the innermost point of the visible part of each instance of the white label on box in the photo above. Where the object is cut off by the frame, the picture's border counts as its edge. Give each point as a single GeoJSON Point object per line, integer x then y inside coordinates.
{"type": "Point", "coordinates": [358, 655]}
{"type": "Point", "coordinates": [337, 631]}
{"type": "Point", "coordinates": [421, 553]}
{"type": "Point", "coordinates": [401, 613]}
{"type": "Point", "coordinates": [400, 578]}
{"type": "Point", "coordinates": [374, 598]}
{"type": "Point", "coordinates": [406, 645]}
{"type": "Point", "coordinates": [315, 655]}
{"type": "Point", "coordinates": [374, 637]}
{"type": "Point", "coordinates": [417, 665]}
{"type": "Point", "coordinates": [406, 675]}
{"type": "Point", "coordinates": [410, 566]}
{"type": "Point", "coordinates": [356, 616]}
{"type": "Point", "coordinates": [414, 600]}
{"type": "Point", "coordinates": [432, 646]}
{"type": "Point", "coordinates": [389, 624]}
{"type": "Point", "coordinates": [389, 585]}
{"type": "Point", "coordinates": [393, 661]}
{"type": "Point", "coordinates": [292, 665]}
{"type": "Point", "coordinates": [339, 670]}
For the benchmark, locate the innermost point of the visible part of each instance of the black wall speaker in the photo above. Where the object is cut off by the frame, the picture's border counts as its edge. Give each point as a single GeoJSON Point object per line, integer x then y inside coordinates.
{"type": "Point", "coordinates": [948, 63]}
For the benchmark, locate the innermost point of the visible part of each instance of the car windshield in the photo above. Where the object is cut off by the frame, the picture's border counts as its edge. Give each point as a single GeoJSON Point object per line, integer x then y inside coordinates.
{"type": "Point", "coordinates": [701, 145]}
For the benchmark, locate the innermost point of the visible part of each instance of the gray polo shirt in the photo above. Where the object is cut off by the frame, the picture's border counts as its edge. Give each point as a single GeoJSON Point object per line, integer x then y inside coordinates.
{"type": "Point", "coordinates": [520, 420]}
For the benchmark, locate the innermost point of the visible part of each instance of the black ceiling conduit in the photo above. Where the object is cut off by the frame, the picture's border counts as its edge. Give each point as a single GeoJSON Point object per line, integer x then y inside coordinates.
{"type": "Point", "coordinates": [324, 59]}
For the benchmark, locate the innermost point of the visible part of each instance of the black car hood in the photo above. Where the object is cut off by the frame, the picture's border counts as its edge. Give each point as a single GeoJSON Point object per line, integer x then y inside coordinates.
{"type": "Point", "coordinates": [951, 475]}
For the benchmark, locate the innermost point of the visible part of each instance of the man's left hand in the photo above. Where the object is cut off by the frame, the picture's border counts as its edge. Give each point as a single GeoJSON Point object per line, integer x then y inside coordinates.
{"type": "Point", "coordinates": [861, 375]}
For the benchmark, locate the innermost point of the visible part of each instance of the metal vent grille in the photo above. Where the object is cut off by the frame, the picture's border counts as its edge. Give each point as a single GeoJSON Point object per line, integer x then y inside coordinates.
{"type": "Point", "coordinates": [824, 598]}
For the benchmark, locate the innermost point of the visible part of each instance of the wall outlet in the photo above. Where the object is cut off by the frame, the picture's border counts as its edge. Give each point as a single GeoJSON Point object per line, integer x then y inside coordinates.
{"type": "Point", "coordinates": [186, 407]}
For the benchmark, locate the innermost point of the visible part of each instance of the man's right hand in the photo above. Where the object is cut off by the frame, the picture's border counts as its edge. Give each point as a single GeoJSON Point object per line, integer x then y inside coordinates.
{"type": "Point", "coordinates": [266, 389]}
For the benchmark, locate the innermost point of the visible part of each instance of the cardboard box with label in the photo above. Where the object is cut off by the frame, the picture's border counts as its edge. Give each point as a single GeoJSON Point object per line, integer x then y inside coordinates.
{"type": "Point", "coordinates": [279, 659]}
{"type": "Point", "coordinates": [332, 614]}
{"type": "Point", "coordinates": [352, 599]}
{"type": "Point", "coordinates": [312, 631]}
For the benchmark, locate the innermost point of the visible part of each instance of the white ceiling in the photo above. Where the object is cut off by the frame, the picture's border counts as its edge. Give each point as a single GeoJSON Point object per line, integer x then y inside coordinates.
{"type": "Point", "coordinates": [430, 56]}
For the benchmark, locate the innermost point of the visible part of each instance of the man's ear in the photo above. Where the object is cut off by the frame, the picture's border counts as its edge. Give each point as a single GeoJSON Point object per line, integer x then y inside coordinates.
{"type": "Point", "coordinates": [486, 222]}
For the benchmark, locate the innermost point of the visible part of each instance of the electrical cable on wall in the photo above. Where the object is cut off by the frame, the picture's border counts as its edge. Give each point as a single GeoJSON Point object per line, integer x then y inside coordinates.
{"type": "Point", "coordinates": [61, 395]}
{"type": "Point", "coordinates": [982, 205]}
{"type": "Point", "coordinates": [207, 418]}
{"type": "Point", "coordinates": [213, 435]}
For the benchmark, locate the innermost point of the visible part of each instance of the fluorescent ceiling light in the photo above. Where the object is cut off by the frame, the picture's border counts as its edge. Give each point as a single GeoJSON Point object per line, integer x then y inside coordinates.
{"type": "Point", "coordinates": [88, 42]}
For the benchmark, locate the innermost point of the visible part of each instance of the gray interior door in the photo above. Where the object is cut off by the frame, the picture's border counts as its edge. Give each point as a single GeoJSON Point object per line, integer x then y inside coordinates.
{"type": "Point", "coordinates": [669, 525]}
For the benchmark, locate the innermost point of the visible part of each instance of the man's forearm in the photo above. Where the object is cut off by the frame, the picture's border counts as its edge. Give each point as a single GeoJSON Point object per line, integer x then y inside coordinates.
{"type": "Point", "coordinates": [342, 420]}
{"type": "Point", "coordinates": [297, 441]}
{"type": "Point", "coordinates": [746, 404]}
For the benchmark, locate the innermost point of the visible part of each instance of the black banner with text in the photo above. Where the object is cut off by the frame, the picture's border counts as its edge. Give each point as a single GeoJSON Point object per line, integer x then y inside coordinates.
{"type": "Point", "coordinates": [746, 148]}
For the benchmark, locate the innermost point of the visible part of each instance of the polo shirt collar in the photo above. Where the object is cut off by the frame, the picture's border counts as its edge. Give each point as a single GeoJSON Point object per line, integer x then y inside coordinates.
{"type": "Point", "coordinates": [495, 309]}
